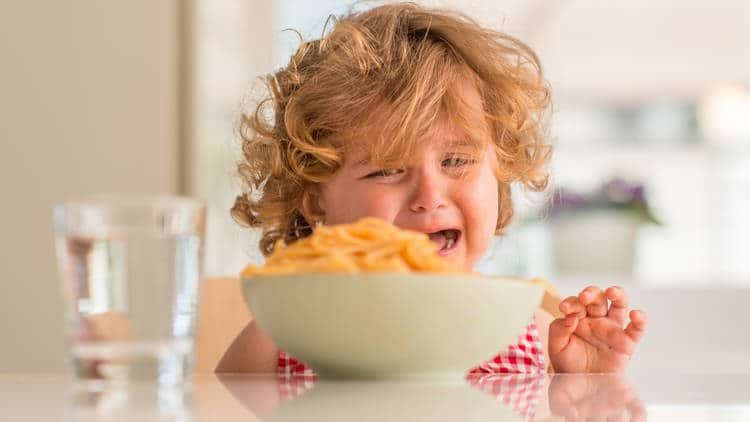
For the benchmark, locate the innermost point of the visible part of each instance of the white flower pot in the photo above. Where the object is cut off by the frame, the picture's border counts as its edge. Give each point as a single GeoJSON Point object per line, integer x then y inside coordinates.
{"type": "Point", "coordinates": [595, 242]}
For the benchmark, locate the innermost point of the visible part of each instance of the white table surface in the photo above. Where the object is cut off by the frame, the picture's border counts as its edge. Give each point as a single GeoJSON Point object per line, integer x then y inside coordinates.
{"type": "Point", "coordinates": [661, 397]}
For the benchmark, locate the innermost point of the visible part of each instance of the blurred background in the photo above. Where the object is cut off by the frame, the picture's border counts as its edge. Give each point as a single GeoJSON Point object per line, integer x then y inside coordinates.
{"type": "Point", "coordinates": [651, 128]}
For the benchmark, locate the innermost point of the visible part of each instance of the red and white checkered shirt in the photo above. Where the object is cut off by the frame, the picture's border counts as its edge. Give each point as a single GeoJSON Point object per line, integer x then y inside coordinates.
{"type": "Point", "coordinates": [523, 357]}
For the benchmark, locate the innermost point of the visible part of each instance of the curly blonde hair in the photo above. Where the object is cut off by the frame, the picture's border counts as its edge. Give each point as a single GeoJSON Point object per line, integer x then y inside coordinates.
{"type": "Point", "coordinates": [404, 59]}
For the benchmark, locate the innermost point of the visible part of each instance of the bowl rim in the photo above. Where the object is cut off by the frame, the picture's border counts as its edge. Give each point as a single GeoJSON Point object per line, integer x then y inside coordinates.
{"type": "Point", "coordinates": [390, 275]}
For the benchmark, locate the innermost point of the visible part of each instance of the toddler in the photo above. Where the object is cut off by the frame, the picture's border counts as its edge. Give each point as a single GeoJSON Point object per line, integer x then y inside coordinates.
{"type": "Point", "coordinates": [422, 118]}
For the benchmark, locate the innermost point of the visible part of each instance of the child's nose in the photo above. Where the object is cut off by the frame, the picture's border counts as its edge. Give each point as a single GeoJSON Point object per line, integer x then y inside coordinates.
{"type": "Point", "coordinates": [428, 193]}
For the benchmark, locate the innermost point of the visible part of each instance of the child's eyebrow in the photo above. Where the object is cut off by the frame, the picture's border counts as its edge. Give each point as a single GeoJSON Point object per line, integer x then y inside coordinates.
{"type": "Point", "coordinates": [459, 143]}
{"type": "Point", "coordinates": [361, 163]}
{"type": "Point", "coordinates": [462, 142]}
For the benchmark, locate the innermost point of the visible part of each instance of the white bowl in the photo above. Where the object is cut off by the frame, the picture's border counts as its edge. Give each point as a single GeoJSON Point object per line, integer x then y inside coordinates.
{"type": "Point", "coordinates": [386, 325]}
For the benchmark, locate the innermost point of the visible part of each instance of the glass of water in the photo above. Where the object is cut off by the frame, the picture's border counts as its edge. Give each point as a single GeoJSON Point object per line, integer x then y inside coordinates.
{"type": "Point", "coordinates": [130, 269]}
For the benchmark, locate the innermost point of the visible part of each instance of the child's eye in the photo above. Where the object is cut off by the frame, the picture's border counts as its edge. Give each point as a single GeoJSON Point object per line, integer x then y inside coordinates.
{"type": "Point", "coordinates": [457, 162]}
{"type": "Point", "coordinates": [384, 173]}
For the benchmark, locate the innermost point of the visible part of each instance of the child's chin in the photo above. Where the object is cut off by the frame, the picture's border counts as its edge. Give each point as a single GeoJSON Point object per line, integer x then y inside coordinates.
{"type": "Point", "coordinates": [458, 260]}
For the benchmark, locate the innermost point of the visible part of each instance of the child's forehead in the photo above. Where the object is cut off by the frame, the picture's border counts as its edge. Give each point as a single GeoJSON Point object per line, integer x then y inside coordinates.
{"type": "Point", "coordinates": [443, 136]}
{"type": "Point", "coordinates": [456, 120]}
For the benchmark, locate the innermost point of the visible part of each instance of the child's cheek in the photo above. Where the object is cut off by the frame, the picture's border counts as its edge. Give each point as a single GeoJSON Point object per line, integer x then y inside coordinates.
{"type": "Point", "coordinates": [349, 205]}
{"type": "Point", "coordinates": [382, 204]}
{"type": "Point", "coordinates": [479, 205]}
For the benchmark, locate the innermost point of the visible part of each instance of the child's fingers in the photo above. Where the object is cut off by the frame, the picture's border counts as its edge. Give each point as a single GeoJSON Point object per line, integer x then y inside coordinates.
{"type": "Point", "coordinates": [637, 326]}
{"type": "Point", "coordinates": [596, 303]}
{"type": "Point", "coordinates": [618, 309]}
{"type": "Point", "coordinates": [560, 331]}
{"type": "Point", "coordinates": [615, 338]}
{"type": "Point", "coordinates": [571, 305]}
{"type": "Point", "coordinates": [617, 417]}
{"type": "Point", "coordinates": [637, 411]}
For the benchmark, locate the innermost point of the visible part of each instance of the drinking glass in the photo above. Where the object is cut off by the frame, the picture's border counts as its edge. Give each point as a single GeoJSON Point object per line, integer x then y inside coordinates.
{"type": "Point", "coordinates": [130, 268]}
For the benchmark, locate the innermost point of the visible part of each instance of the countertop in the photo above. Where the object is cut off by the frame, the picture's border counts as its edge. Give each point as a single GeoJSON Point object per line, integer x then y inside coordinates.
{"type": "Point", "coordinates": [686, 397]}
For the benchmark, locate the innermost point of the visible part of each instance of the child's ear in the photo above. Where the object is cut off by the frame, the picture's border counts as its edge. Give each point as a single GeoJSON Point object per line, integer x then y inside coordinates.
{"type": "Point", "coordinates": [312, 208]}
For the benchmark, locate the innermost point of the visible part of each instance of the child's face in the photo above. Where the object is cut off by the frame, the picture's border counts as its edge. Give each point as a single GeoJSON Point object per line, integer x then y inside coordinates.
{"type": "Point", "coordinates": [431, 196]}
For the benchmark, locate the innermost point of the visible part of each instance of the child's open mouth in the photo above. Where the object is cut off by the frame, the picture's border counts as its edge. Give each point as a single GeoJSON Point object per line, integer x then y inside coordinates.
{"type": "Point", "coordinates": [447, 240]}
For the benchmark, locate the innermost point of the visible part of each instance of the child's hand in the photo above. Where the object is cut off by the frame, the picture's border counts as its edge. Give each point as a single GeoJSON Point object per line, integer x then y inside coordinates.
{"type": "Point", "coordinates": [590, 337]}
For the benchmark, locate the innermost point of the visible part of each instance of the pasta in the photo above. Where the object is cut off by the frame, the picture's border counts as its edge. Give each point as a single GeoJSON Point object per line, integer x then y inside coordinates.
{"type": "Point", "coordinates": [369, 245]}
{"type": "Point", "coordinates": [546, 284]}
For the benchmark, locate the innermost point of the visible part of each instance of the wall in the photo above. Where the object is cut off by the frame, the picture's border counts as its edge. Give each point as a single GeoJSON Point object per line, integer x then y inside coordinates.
{"type": "Point", "coordinates": [89, 104]}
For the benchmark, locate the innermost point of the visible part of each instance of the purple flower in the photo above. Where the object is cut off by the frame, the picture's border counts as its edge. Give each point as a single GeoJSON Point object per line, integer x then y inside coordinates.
{"type": "Point", "coordinates": [616, 194]}
{"type": "Point", "coordinates": [564, 199]}
{"type": "Point", "coordinates": [620, 191]}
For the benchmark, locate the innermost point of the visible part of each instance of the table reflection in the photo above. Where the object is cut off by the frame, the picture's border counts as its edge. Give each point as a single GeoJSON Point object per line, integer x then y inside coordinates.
{"type": "Point", "coordinates": [594, 397]}
{"type": "Point", "coordinates": [501, 397]}
{"type": "Point", "coordinates": [695, 397]}
{"type": "Point", "coordinates": [520, 392]}
{"type": "Point", "coordinates": [135, 401]}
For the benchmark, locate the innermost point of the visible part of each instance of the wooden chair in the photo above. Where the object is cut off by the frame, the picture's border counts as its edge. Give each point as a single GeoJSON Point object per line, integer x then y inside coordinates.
{"type": "Point", "coordinates": [222, 314]}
